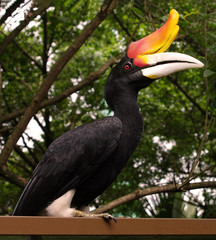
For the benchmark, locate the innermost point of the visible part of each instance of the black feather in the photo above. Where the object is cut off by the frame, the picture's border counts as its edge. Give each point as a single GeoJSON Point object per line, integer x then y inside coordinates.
{"type": "Point", "coordinates": [68, 162]}
{"type": "Point", "coordinates": [90, 157]}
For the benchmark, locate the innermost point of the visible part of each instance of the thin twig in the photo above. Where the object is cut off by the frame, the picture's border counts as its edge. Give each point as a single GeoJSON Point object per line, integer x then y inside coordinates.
{"type": "Point", "coordinates": [93, 76]}
{"type": "Point", "coordinates": [0, 78]}
{"type": "Point", "coordinates": [10, 10]}
{"type": "Point", "coordinates": [133, 33]}
{"type": "Point", "coordinates": [150, 191]}
{"type": "Point", "coordinates": [207, 123]}
{"type": "Point", "coordinates": [30, 111]}
{"type": "Point", "coordinates": [196, 161]}
{"type": "Point", "coordinates": [30, 16]}
{"type": "Point", "coordinates": [189, 179]}
{"type": "Point", "coordinates": [175, 82]}
{"type": "Point", "coordinates": [125, 29]}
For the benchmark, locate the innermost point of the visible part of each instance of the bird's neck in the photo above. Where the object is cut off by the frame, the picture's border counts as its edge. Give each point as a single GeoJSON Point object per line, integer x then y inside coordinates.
{"type": "Point", "coordinates": [127, 110]}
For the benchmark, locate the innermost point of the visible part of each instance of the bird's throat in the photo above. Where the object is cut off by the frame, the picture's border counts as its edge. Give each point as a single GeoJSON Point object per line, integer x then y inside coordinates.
{"type": "Point", "coordinates": [127, 110]}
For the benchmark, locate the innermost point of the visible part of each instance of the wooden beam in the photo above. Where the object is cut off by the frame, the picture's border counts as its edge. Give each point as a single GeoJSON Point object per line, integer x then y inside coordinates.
{"type": "Point", "coordinates": [97, 226]}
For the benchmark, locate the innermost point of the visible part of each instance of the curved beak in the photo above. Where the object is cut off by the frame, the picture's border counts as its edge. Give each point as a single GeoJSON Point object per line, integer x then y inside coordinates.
{"type": "Point", "coordinates": [148, 53]}
{"type": "Point", "coordinates": [163, 64]}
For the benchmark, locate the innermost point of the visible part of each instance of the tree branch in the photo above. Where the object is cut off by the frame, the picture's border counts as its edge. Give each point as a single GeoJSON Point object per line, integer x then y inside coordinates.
{"type": "Point", "coordinates": [206, 127]}
{"type": "Point", "coordinates": [29, 149]}
{"type": "Point", "coordinates": [125, 29]}
{"type": "Point", "coordinates": [25, 157]}
{"type": "Point", "coordinates": [197, 159]}
{"type": "Point", "coordinates": [106, 9]}
{"type": "Point", "coordinates": [28, 56]}
{"type": "Point", "coordinates": [149, 191]}
{"type": "Point", "coordinates": [175, 82]}
{"type": "Point", "coordinates": [30, 16]}
{"type": "Point", "coordinates": [0, 88]}
{"type": "Point", "coordinates": [10, 10]}
{"type": "Point", "coordinates": [87, 81]}
{"type": "Point", "coordinates": [44, 55]}
{"type": "Point", "coordinates": [12, 177]}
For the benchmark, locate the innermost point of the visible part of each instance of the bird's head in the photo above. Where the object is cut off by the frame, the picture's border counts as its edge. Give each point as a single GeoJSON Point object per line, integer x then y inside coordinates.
{"type": "Point", "coordinates": [146, 60]}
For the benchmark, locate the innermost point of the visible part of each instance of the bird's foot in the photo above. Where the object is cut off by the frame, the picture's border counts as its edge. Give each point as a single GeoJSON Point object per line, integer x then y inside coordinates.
{"type": "Point", "coordinates": [106, 216]}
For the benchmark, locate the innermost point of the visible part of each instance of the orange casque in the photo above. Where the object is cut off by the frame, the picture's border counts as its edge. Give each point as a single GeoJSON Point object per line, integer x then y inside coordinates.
{"type": "Point", "coordinates": [157, 42]}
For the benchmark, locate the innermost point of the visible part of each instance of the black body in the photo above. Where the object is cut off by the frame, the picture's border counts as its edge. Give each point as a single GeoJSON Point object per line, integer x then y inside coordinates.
{"type": "Point", "coordinates": [90, 157]}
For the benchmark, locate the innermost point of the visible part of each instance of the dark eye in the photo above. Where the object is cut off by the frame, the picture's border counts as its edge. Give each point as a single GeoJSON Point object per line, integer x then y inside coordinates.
{"type": "Point", "coordinates": [127, 66]}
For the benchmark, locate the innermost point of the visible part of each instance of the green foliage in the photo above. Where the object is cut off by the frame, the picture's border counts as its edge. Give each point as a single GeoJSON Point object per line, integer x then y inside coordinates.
{"type": "Point", "coordinates": [171, 107]}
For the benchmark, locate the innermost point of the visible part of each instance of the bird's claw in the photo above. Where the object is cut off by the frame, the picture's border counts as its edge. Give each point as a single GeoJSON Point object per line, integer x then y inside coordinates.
{"type": "Point", "coordinates": [108, 217]}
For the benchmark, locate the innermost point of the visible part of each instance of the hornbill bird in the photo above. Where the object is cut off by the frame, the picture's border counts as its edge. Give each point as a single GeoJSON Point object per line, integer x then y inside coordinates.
{"type": "Point", "coordinates": [79, 165]}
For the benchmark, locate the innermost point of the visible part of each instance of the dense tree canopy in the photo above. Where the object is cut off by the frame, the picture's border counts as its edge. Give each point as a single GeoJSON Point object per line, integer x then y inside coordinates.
{"type": "Point", "coordinates": [55, 58]}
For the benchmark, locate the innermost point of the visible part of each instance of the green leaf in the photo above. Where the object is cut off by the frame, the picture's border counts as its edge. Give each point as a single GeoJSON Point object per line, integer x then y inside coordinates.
{"type": "Point", "coordinates": [208, 73]}
{"type": "Point", "coordinates": [212, 34]}
{"type": "Point", "coordinates": [138, 12]}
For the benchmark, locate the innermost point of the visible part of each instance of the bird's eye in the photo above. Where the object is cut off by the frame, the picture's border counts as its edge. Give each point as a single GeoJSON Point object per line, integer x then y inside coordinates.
{"type": "Point", "coordinates": [127, 66]}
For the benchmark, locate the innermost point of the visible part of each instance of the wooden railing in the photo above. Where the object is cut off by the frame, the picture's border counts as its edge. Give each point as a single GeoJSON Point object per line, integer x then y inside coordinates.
{"type": "Point", "coordinates": [97, 226]}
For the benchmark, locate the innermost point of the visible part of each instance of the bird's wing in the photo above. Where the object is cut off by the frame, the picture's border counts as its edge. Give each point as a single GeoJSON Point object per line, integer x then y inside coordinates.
{"type": "Point", "coordinates": [68, 161]}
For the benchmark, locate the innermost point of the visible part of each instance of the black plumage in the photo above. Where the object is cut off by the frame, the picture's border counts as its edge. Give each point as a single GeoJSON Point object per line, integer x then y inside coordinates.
{"type": "Point", "coordinates": [89, 158]}
{"type": "Point", "coordinates": [68, 162]}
